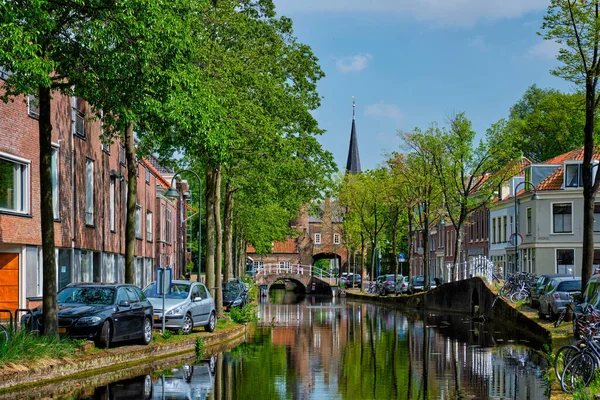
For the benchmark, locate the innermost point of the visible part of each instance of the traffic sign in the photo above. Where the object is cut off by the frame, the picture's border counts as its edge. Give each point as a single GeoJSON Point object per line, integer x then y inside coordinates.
{"type": "Point", "coordinates": [401, 258]}
{"type": "Point", "coordinates": [516, 239]}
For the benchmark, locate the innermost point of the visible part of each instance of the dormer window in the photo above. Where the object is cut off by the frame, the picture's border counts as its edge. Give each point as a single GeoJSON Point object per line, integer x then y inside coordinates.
{"type": "Point", "coordinates": [574, 173]}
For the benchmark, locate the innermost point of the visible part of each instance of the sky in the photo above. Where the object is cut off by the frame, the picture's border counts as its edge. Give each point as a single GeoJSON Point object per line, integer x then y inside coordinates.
{"type": "Point", "coordinates": [413, 62]}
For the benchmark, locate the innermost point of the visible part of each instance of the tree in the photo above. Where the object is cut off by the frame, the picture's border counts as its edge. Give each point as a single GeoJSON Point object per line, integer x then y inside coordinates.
{"type": "Point", "coordinates": [575, 24]}
{"type": "Point", "coordinates": [37, 46]}
{"type": "Point", "coordinates": [541, 125]}
{"type": "Point", "coordinates": [464, 174]}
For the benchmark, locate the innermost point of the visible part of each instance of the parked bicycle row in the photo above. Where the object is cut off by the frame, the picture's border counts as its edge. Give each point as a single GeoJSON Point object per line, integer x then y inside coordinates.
{"type": "Point", "coordinates": [389, 284]}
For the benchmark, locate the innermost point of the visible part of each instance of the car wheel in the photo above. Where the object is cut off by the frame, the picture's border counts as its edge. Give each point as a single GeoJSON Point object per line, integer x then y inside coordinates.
{"type": "Point", "coordinates": [188, 324]}
{"type": "Point", "coordinates": [553, 316]}
{"type": "Point", "coordinates": [103, 340]}
{"type": "Point", "coordinates": [147, 387]}
{"type": "Point", "coordinates": [212, 323]}
{"type": "Point", "coordinates": [147, 332]}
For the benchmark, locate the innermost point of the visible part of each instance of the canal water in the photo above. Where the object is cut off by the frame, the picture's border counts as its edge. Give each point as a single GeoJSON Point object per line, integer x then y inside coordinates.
{"type": "Point", "coordinates": [309, 347]}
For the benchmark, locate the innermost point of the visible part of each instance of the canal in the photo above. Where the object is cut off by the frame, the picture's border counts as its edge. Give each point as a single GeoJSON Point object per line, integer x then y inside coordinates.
{"type": "Point", "coordinates": [309, 347]}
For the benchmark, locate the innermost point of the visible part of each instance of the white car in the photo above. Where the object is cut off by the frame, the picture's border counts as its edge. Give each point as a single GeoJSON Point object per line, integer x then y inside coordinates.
{"type": "Point", "coordinates": [401, 285]}
{"type": "Point", "coordinates": [187, 305]}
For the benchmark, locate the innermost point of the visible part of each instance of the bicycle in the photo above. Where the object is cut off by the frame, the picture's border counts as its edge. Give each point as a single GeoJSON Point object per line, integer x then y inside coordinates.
{"type": "Point", "coordinates": [581, 368]}
{"type": "Point", "coordinates": [4, 336]}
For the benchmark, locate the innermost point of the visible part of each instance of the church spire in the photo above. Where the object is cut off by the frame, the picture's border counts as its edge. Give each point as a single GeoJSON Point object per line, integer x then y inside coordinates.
{"type": "Point", "coordinates": [353, 163]}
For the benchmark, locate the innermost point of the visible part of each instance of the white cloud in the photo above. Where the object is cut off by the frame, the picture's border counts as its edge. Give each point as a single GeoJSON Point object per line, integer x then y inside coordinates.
{"type": "Point", "coordinates": [354, 63]}
{"type": "Point", "coordinates": [446, 12]}
{"type": "Point", "coordinates": [545, 50]}
{"type": "Point", "coordinates": [384, 110]}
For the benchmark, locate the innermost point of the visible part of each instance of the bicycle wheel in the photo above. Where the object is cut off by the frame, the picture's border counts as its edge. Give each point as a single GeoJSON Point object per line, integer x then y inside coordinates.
{"type": "Point", "coordinates": [560, 318]}
{"type": "Point", "coordinates": [519, 295]}
{"type": "Point", "coordinates": [562, 358]}
{"type": "Point", "coordinates": [4, 337]}
{"type": "Point", "coordinates": [578, 372]}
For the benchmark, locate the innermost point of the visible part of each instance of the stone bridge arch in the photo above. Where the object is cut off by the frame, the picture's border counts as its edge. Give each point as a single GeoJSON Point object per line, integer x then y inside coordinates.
{"type": "Point", "coordinates": [303, 281]}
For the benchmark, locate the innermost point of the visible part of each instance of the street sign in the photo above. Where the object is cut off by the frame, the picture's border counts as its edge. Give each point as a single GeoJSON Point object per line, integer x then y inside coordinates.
{"type": "Point", "coordinates": [401, 257]}
{"type": "Point", "coordinates": [516, 239]}
{"type": "Point", "coordinates": [164, 276]}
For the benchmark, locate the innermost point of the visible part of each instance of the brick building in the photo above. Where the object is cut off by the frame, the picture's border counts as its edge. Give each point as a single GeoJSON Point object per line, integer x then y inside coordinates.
{"type": "Point", "coordinates": [89, 191]}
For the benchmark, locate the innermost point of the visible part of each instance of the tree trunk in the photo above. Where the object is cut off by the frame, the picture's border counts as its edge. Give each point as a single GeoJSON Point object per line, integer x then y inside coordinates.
{"type": "Point", "coordinates": [50, 306]}
{"type": "Point", "coordinates": [589, 194]}
{"type": "Point", "coordinates": [373, 258]}
{"type": "Point", "coordinates": [394, 243]}
{"type": "Point", "coordinates": [219, 242]}
{"type": "Point", "coordinates": [426, 250]}
{"type": "Point", "coordinates": [228, 270]}
{"type": "Point", "coordinates": [410, 244]}
{"type": "Point", "coordinates": [362, 262]}
{"type": "Point", "coordinates": [210, 232]}
{"type": "Point", "coordinates": [131, 200]}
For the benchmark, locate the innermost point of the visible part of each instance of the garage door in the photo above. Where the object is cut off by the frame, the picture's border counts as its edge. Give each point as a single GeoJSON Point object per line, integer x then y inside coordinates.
{"type": "Point", "coordinates": [9, 282]}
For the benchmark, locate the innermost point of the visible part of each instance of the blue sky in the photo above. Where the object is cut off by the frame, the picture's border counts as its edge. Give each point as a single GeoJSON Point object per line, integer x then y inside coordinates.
{"type": "Point", "coordinates": [411, 62]}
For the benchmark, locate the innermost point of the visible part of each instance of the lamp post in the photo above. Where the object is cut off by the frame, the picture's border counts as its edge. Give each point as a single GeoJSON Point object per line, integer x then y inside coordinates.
{"type": "Point", "coordinates": [516, 236]}
{"type": "Point", "coordinates": [173, 193]}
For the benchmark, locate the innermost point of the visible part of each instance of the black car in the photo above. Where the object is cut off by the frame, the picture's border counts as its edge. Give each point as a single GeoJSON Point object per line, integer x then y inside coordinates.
{"type": "Point", "coordinates": [235, 294]}
{"type": "Point", "coordinates": [104, 313]}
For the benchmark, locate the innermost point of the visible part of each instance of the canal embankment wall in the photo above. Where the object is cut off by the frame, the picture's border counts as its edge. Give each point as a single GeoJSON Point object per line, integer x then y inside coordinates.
{"type": "Point", "coordinates": [470, 296]}
{"type": "Point", "coordinates": [43, 372]}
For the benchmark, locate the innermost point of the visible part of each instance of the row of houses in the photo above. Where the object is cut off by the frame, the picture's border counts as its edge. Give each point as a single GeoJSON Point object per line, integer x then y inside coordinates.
{"type": "Point", "coordinates": [89, 193]}
{"type": "Point", "coordinates": [537, 215]}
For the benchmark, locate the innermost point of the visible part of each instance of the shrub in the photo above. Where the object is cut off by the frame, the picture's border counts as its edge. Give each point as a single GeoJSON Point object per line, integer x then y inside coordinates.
{"type": "Point", "coordinates": [25, 345]}
{"type": "Point", "coordinates": [245, 314]}
{"type": "Point", "coordinates": [199, 348]}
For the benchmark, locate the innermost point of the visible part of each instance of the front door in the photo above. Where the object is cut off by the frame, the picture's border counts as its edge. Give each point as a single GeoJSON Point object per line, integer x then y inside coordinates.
{"type": "Point", "coordinates": [9, 282]}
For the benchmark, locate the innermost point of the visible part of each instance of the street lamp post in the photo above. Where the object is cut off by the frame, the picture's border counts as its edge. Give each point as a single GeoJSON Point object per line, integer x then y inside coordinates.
{"type": "Point", "coordinates": [172, 192]}
{"type": "Point", "coordinates": [516, 236]}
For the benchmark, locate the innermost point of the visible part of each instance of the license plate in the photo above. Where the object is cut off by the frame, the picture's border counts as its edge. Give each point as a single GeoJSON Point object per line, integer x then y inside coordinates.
{"type": "Point", "coordinates": [62, 330]}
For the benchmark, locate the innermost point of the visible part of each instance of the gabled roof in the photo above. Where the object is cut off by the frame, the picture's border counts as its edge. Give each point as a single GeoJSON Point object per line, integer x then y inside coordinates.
{"type": "Point", "coordinates": [555, 180]}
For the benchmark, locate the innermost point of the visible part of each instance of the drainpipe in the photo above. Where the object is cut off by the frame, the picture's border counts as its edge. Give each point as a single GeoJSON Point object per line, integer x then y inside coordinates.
{"type": "Point", "coordinates": [73, 187]}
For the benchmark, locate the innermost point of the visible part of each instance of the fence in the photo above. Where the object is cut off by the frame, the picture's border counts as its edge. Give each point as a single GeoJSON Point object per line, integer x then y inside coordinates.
{"type": "Point", "coordinates": [476, 266]}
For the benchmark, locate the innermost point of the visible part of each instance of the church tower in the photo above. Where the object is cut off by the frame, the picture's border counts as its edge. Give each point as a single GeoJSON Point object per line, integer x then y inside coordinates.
{"type": "Point", "coordinates": [353, 163]}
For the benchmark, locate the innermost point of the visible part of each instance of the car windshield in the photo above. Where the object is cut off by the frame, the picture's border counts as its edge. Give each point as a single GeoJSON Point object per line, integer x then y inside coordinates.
{"type": "Point", "coordinates": [178, 291]}
{"type": "Point", "coordinates": [569, 286]}
{"type": "Point", "coordinates": [419, 280]}
{"type": "Point", "coordinates": [389, 277]}
{"type": "Point", "coordinates": [230, 289]}
{"type": "Point", "coordinates": [86, 295]}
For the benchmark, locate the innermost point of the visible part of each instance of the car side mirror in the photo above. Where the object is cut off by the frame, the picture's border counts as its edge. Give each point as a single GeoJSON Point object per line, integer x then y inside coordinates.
{"type": "Point", "coordinates": [124, 303]}
{"type": "Point", "coordinates": [197, 298]}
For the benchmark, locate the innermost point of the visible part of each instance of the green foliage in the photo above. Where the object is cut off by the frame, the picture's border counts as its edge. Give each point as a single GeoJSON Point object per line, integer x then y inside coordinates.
{"type": "Point", "coordinates": [199, 348]}
{"type": "Point", "coordinates": [252, 287]}
{"type": "Point", "coordinates": [590, 392]}
{"type": "Point", "coordinates": [245, 314]}
{"type": "Point", "coordinates": [27, 346]}
{"type": "Point", "coordinates": [544, 123]}
{"type": "Point", "coordinates": [167, 334]}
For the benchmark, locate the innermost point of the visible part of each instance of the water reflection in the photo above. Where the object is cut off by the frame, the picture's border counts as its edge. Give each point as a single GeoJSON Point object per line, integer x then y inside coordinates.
{"type": "Point", "coordinates": [319, 348]}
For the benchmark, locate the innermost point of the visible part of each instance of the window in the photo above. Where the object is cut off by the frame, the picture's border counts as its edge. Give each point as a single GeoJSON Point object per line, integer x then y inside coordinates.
{"type": "Point", "coordinates": [33, 106]}
{"type": "Point", "coordinates": [87, 266]}
{"type": "Point", "coordinates": [471, 224]}
{"type": "Point", "coordinates": [55, 192]}
{"type": "Point", "coordinates": [147, 176]}
{"type": "Point", "coordinates": [504, 238]}
{"type": "Point", "coordinates": [77, 117]}
{"type": "Point", "coordinates": [106, 147]}
{"type": "Point", "coordinates": [336, 238]}
{"type": "Point", "coordinates": [529, 221]}
{"type": "Point", "coordinates": [168, 228]}
{"type": "Point", "coordinates": [565, 261]}
{"type": "Point", "coordinates": [572, 175]}
{"type": "Point", "coordinates": [259, 264]}
{"type": "Point", "coordinates": [4, 74]}
{"type": "Point", "coordinates": [122, 158]}
{"type": "Point", "coordinates": [596, 217]}
{"type": "Point", "coordinates": [494, 230]}
{"type": "Point", "coordinates": [317, 238]}
{"type": "Point", "coordinates": [561, 216]}
{"type": "Point", "coordinates": [111, 203]}
{"type": "Point", "coordinates": [149, 226]}
{"type": "Point", "coordinates": [138, 221]}
{"type": "Point", "coordinates": [284, 264]}
{"type": "Point", "coordinates": [14, 185]}
{"type": "Point", "coordinates": [89, 192]}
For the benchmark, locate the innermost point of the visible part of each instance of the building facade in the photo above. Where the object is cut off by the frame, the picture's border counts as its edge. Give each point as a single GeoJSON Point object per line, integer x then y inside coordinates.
{"type": "Point", "coordinates": [89, 192]}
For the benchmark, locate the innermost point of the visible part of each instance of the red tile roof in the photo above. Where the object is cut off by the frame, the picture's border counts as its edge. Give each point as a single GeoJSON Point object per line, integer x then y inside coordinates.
{"type": "Point", "coordinates": [553, 181]}
{"type": "Point", "coordinates": [287, 246]}
{"type": "Point", "coordinates": [163, 182]}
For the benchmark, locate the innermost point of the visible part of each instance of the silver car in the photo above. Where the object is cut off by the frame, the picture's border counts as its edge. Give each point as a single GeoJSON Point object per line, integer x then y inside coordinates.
{"type": "Point", "coordinates": [188, 305]}
{"type": "Point", "coordinates": [557, 294]}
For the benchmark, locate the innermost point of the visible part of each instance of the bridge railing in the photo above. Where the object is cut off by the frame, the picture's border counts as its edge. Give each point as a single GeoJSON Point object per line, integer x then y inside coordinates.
{"type": "Point", "coordinates": [293, 269]}
{"type": "Point", "coordinates": [476, 266]}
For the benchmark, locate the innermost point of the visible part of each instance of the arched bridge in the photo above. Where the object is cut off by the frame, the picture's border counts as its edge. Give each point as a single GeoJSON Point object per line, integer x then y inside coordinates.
{"type": "Point", "coordinates": [308, 278]}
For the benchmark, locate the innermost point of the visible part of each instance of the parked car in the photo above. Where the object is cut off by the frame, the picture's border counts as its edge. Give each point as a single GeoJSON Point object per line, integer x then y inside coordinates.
{"type": "Point", "coordinates": [402, 285]}
{"type": "Point", "coordinates": [188, 305]}
{"type": "Point", "coordinates": [557, 294]}
{"type": "Point", "coordinates": [102, 312]}
{"type": "Point", "coordinates": [388, 282]}
{"type": "Point", "coordinates": [353, 280]}
{"type": "Point", "coordinates": [540, 284]}
{"type": "Point", "coordinates": [416, 284]}
{"type": "Point", "coordinates": [234, 295]}
{"type": "Point", "coordinates": [591, 295]}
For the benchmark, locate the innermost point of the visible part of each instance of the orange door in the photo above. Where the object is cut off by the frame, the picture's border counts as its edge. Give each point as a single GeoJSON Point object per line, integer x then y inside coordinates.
{"type": "Point", "coordinates": [9, 282]}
